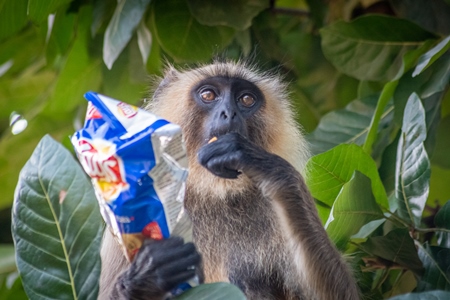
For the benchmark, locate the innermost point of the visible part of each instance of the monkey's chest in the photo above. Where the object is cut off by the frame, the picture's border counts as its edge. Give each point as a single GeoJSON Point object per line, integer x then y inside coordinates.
{"type": "Point", "coordinates": [244, 244]}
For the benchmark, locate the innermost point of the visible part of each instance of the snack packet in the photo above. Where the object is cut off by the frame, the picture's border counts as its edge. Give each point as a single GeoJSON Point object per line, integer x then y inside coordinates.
{"type": "Point", "coordinates": [138, 166]}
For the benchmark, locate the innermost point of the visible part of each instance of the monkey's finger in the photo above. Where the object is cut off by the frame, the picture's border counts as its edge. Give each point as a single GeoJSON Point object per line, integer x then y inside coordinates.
{"type": "Point", "coordinates": [152, 248]}
{"type": "Point", "coordinates": [179, 265]}
{"type": "Point", "coordinates": [169, 255]}
{"type": "Point", "coordinates": [219, 167]}
{"type": "Point", "coordinates": [175, 280]}
{"type": "Point", "coordinates": [218, 148]}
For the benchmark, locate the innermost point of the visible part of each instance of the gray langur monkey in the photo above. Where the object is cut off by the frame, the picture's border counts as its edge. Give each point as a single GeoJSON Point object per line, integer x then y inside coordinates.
{"type": "Point", "coordinates": [255, 224]}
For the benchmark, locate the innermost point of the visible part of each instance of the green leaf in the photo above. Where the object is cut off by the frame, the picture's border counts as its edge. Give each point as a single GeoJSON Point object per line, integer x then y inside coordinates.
{"type": "Point", "coordinates": [38, 10]}
{"type": "Point", "coordinates": [13, 17]}
{"type": "Point", "coordinates": [396, 246]}
{"type": "Point", "coordinates": [431, 15]}
{"type": "Point", "coordinates": [433, 80]}
{"type": "Point", "coordinates": [323, 211]}
{"type": "Point", "coordinates": [213, 291]}
{"type": "Point", "coordinates": [183, 37]}
{"type": "Point", "coordinates": [21, 92]}
{"type": "Point", "coordinates": [11, 288]}
{"type": "Point", "coordinates": [80, 73]}
{"type": "Point", "coordinates": [233, 13]}
{"type": "Point", "coordinates": [431, 295]}
{"type": "Point", "coordinates": [103, 11]}
{"type": "Point", "coordinates": [116, 81]}
{"type": "Point", "coordinates": [371, 47]}
{"type": "Point", "coordinates": [386, 95]}
{"type": "Point", "coordinates": [329, 171]}
{"type": "Point", "coordinates": [431, 56]}
{"type": "Point", "coordinates": [355, 206]}
{"type": "Point", "coordinates": [440, 155]}
{"type": "Point", "coordinates": [349, 125]}
{"type": "Point", "coordinates": [7, 260]}
{"type": "Point", "coordinates": [412, 172]}
{"type": "Point", "coordinates": [437, 268]}
{"type": "Point", "coordinates": [57, 227]}
{"type": "Point", "coordinates": [15, 149]}
{"type": "Point", "coordinates": [61, 35]}
{"type": "Point", "coordinates": [120, 29]}
{"type": "Point", "coordinates": [406, 283]}
{"type": "Point", "coordinates": [368, 229]}
{"type": "Point", "coordinates": [442, 220]}
{"type": "Point", "coordinates": [144, 37]}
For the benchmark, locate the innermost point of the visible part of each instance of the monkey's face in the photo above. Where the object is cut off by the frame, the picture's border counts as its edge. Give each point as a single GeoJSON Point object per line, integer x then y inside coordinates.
{"type": "Point", "coordinates": [216, 99]}
{"type": "Point", "coordinates": [229, 105]}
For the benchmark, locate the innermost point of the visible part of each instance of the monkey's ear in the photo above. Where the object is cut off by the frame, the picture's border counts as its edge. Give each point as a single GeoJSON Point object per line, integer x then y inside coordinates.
{"type": "Point", "coordinates": [170, 75]}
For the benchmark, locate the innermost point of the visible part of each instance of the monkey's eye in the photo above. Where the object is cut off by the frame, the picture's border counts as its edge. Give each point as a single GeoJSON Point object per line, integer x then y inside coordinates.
{"type": "Point", "coordinates": [247, 100]}
{"type": "Point", "coordinates": [208, 95]}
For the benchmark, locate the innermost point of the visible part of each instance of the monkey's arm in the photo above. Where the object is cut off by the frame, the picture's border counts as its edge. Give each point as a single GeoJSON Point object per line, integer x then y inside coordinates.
{"type": "Point", "coordinates": [158, 268]}
{"type": "Point", "coordinates": [323, 274]}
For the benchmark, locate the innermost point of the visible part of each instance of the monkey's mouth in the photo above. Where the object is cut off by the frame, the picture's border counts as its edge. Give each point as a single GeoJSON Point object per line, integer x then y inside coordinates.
{"type": "Point", "coordinates": [215, 135]}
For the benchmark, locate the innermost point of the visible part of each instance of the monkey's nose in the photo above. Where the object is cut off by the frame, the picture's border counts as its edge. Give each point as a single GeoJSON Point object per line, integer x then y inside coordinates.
{"type": "Point", "coordinates": [224, 115]}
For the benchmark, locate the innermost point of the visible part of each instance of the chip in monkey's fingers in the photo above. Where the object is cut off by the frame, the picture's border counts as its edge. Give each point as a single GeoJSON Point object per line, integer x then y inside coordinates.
{"type": "Point", "coordinates": [214, 138]}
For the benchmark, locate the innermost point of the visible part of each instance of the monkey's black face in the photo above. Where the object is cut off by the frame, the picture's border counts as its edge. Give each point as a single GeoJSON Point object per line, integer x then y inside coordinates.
{"type": "Point", "coordinates": [229, 103]}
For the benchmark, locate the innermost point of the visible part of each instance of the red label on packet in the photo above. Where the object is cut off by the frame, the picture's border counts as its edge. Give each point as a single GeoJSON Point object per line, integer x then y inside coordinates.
{"type": "Point", "coordinates": [92, 112]}
{"type": "Point", "coordinates": [152, 231]}
{"type": "Point", "coordinates": [101, 163]}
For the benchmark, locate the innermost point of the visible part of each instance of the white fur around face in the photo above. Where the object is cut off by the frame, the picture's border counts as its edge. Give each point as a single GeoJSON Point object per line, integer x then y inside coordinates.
{"type": "Point", "coordinates": [172, 101]}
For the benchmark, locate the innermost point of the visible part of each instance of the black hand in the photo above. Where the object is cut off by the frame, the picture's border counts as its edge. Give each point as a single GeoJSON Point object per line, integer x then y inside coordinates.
{"type": "Point", "coordinates": [229, 155]}
{"type": "Point", "coordinates": [159, 267]}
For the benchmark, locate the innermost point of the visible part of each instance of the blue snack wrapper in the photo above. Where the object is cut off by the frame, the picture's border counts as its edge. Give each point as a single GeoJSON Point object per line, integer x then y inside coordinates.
{"type": "Point", "coordinates": [138, 166]}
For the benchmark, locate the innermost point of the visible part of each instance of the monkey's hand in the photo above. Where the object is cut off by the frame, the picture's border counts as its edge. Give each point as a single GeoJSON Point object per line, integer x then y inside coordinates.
{"type": "Point", "coordinates": [159, 267]}
{"type": "Point", "coordinates": [232, 154]}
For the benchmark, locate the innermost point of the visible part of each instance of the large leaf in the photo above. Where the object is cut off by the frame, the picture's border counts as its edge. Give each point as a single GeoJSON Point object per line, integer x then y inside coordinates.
{"type": "Point", "coordinates": [442, 220]}
{"type": "Point", "coordinates": [15, 149]}
{"type": "Point", "coordinates": [436, 261]}
{"type": "Point", "coordinates": [430, 86]}
{"type": "Point", "coordinates": [213, 291]}
{"type": "Point", "coordinates": [183, 37]}
{"type": "Point", "coordinates": [431, 295]}
{"type": "Point", "coordinates": [235, 13]}
{"type": "Point", "coordinates": [406, 283]}
{"type": "Point", "coordinates": [431, 81]}
{"type": "Point", "coordinates": [397, 246]}
{"type": "Point", "coordinates": [385, 96]}
{"type": "Point", "coordinates": [412, 171]}
{"type": "Point", "coordinates": [7, 260]}
{"type": "Point", "coordinates": [80, 73]}
{"type": "Point", "coordinates": [120, 29]}
{"type": "Point", "coordinates": [144, 37]}
{"type": "Point", "coordinates": [116, 81]}
{"type": "Point", "coordinates": [329, 171]}
{"type": "Point", "coordinates": [354, 207]}
{"type": "Point", "coordinates": [61, 35]}
{"type": "Point", "coordinates": [11, 288]}
{"type": "Point", "coordinates": [38, 10]}
{"type": "Point", "coordinates": [431, 56]}
{"type": "Point", "coordinates": [103, 11]}
{"type": "Point", "coordinates": [372, 47]}
{"type": "Point", "coordinates": [13, 16]}
{"type": "Point", "coordinates": [431, 15]}
{"type": "Point", "coordinates": [57, 226]}
{"type": "Point", "coordinates": [440, 155]}
{"type": "Point", "coordinates": [348, 125]}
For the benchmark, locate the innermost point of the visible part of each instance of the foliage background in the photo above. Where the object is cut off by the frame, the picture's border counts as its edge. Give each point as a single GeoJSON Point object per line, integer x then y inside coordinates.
{"type": "Point", "coordinates": [353, 67]}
